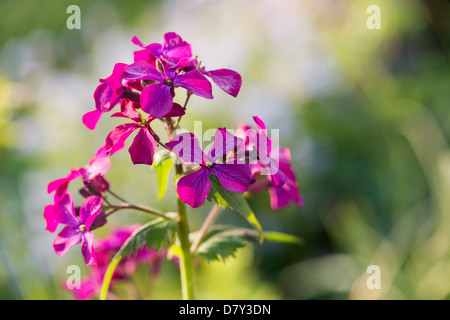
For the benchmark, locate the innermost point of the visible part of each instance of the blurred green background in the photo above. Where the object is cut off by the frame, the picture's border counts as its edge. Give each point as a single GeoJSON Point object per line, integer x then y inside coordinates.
{"type": "Point", "coordinates": [364, 112]}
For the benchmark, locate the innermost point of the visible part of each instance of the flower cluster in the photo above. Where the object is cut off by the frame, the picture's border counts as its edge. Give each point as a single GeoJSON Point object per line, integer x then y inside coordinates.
{"type": "Point", "coordinates": [244, 160]}
{"type": "Point", "coordinates": [79, 222]}
{"type": "Point", "coordinates": [148, 85]}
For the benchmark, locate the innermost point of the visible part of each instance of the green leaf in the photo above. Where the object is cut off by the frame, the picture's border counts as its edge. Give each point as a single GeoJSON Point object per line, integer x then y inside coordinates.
{"type": "Point", "coordinates": [235, 201]}
{"type": "Point", "coordinates": [155, 233]}
{"type": "Point", "coordinates": [162, 162]}
{"type": "Point", "coordinates": [221, 246]}
{"type": "Point", "coordinates": [282, 237]}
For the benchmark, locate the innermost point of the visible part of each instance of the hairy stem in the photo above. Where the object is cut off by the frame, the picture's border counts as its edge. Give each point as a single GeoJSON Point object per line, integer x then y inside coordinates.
{"type": "Point", "coordinates": [204, 229]}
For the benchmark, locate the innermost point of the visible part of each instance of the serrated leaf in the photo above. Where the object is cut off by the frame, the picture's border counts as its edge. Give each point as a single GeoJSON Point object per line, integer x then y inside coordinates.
{"type": "Point", "coordinates": [250, 234]}
{"type": "Point", "coordinates": [153, 234]}
{"type": "Point", "coordinates": [220, 246]}
{"type": "Point", "coordinates": [237, 202]}
{"type": "Point", "coordinates": [162, 163]}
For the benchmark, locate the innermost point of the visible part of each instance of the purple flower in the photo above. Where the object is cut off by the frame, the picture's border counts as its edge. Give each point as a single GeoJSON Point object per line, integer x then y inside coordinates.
{"type": "Point", "coordinates": [110, 91]}
{"type": "Point", "coordinates": [157, 97]}
{"type": "Point", "coordinates": [144, 144]}
{"type": "Point", "coordinates": [171, 51]}
{"type": "Point", "coordinates": [78, 229]}
{"type": "Point", "coordinates": [282, 196]}
{"type": "Point", "coordinates": [193, 188]}
{"type": "Point", "coordinates": [92, 174]}
{"type": "Point", "coordinates": [259, 141]}
{"type": "Point", "coordinates": [272, 164]}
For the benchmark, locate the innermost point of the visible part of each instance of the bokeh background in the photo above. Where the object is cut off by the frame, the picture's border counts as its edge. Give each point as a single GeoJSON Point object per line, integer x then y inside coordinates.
{"type": "Point", "coordinates": [364, 112]}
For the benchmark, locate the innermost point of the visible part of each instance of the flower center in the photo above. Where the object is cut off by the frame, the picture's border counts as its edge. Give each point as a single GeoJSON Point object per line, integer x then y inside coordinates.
{"type": "Point", "coordinates": [168, 82]}
{"type": "Point", "coordinates": [82, 228]}
{"type": "Point", "coordinates": [208, 164]}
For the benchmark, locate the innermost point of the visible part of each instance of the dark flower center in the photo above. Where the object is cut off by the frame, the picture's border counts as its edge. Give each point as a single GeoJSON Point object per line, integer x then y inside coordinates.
{"type": "Point", "coordinates": [168, 82]}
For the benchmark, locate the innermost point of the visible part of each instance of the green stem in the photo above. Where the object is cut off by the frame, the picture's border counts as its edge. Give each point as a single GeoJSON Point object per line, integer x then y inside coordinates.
{"type": "Point", "coordinates": [186, 262]}
{"type": "Point", "coordinates": [108, 276]}
{"type": "Point", "coordinates": [204, 229]}
{"type": "Point", "coordinates": [153, 212]}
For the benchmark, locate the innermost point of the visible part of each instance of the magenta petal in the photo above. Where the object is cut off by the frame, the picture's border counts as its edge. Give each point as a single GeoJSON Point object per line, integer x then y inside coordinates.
{"type": "Point", "coordinates": [116, 139]}
{"type": "Point", "coordinates": [89, 210]}
{"type": "Point", "coordinates": [127, 110]}
{"type": "Point", "coordinates": [143, 147]}
{"type": "Point", "coordinates": [223, 142]}
{"type": "Point", "coordinates": [137, 42]}
{"type": "Point", "coordinates": [66, 239]}
{"type": "Point", "coordinates": [60, 185]}
{"type": "Point", "coordinates": [194, 188]}
{"type": "Point", "coordinates": [156, 99]}
{"type": "Point", "coordinates": [282, 197]}
{"type": "Point", "coordinates": [233, 177]}
{"type": "Point", "coordinates": [228, 80]}
{"type": "Point", "coordinates": [142, 70]}
{"type": "Point", "coordinates": [174, 48]}
{"type": "Point", "coordinates": [102, 97]}
{"type": "Point", "coordinates": [195, 82]}
{"type": "Point", "coordinates": [87, 248]}
{"type": "Point", "coordinates": [176, 111]}
{"type": "Point", "coordinates": [52, 224]}
{"type": "Point", "coordinates": [64, 211]}
{"type": "Point", "coordinates": [87, 290]}
{"type": "Point", "coordinates": [264, 143]}
{"type": "Point", "coordinates": [187, 147]}
{"type": "Point", "coordinates": [99, 165]}
{"type": "Point", "coordinates": [277, 176]}
{"type": "Point", "coordinates": [91, 118]}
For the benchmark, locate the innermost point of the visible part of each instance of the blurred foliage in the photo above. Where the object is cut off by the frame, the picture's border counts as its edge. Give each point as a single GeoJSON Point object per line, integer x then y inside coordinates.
{"type": "Point", "coordinates": [367, 122]}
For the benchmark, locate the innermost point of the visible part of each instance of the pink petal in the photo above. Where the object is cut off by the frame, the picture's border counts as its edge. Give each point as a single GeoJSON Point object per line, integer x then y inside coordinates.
{"type": "Point", "coordinates": [102, 97]}
{"type": "Point", "coordinates": [264, 143]}
{"type": "Point", "coordinates": [128, 111]}
{"type": "Point", "coordinates": [228, 80]}
{"type": "Point", "coordinates": [89, 209]}
{"type": "Point", "coordinates": [137, 42]}
{"type": "Point", "coordinates": [66, 239]}
{"type": "Point", "coordinates": [223, 142]}
{"type": "Point", "coordinates": [64, 211]}
{"type": "Point", "coordinates": [233, 177]}
{"type": "Point", "coordinates": [176, 111]}
{"type": "Point", "coordinates": [87, 290]}
{"type": "Point", "coordinates": [91, 118]}
{"type": "Point", "coordinates": [52, 224]}
{"type": "Point", "coordinates": [87, 249]}
{"type": "Point", "coordinates": [174, 48]}
{"type": "Point", "coordinates": [60, 185]}
{"type": "Point", "coordinates": [194, 188]}
{"type": "Point", "coordinates": [116, 139]}
{"type": "Point", "coordinates": [143, 147]}
{"type": "Point", "coordinates": [187, 147]}
{"type": "Point", "coordinates": [156, 99]}
{"type": "Point", "coordinates": [282, 197]}
{"type": "Point", "coordinates": [99, 165]}
{"type": "Point", "coordinates": [195, 82]}
{"type": "Point", "coordinates": [277, 176]}
{"type": "Point", "coordinates": [142, 70]}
